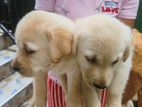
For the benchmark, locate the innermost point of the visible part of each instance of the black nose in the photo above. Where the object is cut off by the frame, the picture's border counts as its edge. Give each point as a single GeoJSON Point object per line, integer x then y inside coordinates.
{"type": "Point", "coordinates": [15, 68]}
{"type": "Point", "coordinates": [100, 86]}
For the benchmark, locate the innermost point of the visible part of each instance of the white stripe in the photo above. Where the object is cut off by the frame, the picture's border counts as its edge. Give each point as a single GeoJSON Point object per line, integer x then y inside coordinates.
{"type": "Point", "coordinates": [49, 94]}
{"type": "Point", "coordinates": [55, 92]}
{"type": "Point", "coordinates": [52, 89]}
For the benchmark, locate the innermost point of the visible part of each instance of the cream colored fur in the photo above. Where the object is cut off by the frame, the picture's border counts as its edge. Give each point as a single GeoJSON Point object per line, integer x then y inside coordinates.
{"type": "Point", "coordinates": [103, 49]}
{"type": "Point", "coordinates": [44, 42]}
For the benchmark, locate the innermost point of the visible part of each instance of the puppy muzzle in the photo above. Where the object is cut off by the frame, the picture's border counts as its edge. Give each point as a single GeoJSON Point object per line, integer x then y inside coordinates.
{"type": "Point", "coordinates": [14, 69]}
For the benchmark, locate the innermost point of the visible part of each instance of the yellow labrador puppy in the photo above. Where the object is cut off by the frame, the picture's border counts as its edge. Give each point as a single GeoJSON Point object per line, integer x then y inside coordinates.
{"type": "Point", "coordinates": [104, 51]}
{"type": "Point", "coordinates": [44, 42]}
{"type": "Point", "coordinates": [51, 40]}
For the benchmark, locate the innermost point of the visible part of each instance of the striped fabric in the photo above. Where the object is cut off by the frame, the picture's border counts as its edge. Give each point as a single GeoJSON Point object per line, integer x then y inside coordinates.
{"type": "Point", "coordinates": [56, 97]}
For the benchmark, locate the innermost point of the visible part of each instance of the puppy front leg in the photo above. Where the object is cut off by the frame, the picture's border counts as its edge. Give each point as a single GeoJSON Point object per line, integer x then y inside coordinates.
{"type": "Point", "coordinates": [40, 89]}
{"type": "Point", "coordinates": [115, 95]}
{"type": "Point", "coordinates": [116, 89]}
{"type": "Point", "coordinates": [74, 94]}
{"type": "Point", "coordinates": [90, 96]}
{"type": "Point", "coordinates": [63, 80]}
{"type": "Point", "coordinates": [114, 100]}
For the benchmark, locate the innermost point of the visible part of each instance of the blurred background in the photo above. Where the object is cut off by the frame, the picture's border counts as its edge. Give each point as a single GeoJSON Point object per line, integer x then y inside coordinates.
{"type": "Point", "coordinates": [14, 89]}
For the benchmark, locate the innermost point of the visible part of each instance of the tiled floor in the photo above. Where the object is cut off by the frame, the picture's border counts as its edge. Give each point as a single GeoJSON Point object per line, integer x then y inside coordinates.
{"type": "Point", "coordinates": [11, 86]}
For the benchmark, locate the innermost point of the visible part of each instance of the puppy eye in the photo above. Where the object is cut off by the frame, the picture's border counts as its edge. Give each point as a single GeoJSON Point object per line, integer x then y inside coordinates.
{"type": "Point", "coordinates": [30, 51]}
{"type": "Point", "coordinates": [114, 62]}
{"type": "Point", "coordinates": [91, 59]}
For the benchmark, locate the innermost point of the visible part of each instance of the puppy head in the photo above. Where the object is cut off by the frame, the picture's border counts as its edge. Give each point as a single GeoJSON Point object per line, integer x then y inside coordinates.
{"type": "Point", "coordinates": [102, 47]}
{"type": "Point", "coordinates": [39, 46]}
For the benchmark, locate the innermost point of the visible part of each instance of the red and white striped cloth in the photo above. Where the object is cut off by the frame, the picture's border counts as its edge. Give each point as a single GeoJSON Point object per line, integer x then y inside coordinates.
{"type": "Point", "coordinates": [56, 96]}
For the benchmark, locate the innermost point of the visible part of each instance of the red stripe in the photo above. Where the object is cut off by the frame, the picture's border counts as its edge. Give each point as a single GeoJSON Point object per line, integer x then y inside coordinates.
{"type": "Point", "coordinates": [57, 97]}
{"type": "Point", "coordinates": [55, 102]}
{"type": "Point", "coordinates": [48, 94]}
{"type": "Point", "coordinates": [54, 91]}
{"type": "Point", "coordinates": [50, 99]}
{"type": "Point", "coordinates": [103, 98]}
{"type": "Point", "coordinates": [52, 105]}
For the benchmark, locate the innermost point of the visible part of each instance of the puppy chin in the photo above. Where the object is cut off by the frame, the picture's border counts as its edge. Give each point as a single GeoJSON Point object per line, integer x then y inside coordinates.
{"type": "Point", "coordinates": [26, 73]}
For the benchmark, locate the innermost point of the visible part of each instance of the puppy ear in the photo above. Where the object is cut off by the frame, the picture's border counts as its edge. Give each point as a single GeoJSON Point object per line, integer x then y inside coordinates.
{"type": "Point", "coordinates": [60, 43]}
{"type": "Point", "coordinates": [126, 53]}
{"type": "Point", "coordinates": [75, 43]}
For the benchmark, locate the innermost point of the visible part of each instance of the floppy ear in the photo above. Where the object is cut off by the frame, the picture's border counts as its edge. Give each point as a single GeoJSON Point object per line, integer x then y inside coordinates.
{"type": "Point", "coordinates": [126, 53]}
{"type": "Point", "coordinates": [60, 43]}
